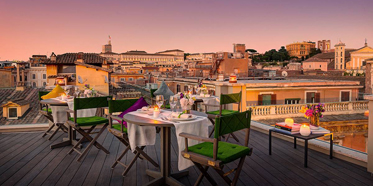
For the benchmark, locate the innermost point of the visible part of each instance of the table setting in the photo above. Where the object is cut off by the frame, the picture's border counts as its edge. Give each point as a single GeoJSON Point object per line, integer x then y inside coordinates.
{"type": "Point", "coordinates": [183, 120]}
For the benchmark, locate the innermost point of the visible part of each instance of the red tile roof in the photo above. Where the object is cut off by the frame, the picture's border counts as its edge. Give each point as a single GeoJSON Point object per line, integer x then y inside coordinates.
{"type": "Point", "coordinates": [70, 58]}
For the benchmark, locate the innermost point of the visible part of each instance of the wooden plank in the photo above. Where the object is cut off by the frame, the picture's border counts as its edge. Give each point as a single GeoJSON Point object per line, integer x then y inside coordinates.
{"type": "Point", "coordinates": [42, 175]}
{"type": "Point", "coordinates": [11, 140]}
{"type": "Point", "coordinates": [30, 145]}
{"type": "Point", "coordinates": [98, 164]}
{"type": "Point", "coordinates": [106, 171]}
{"type": "Point", "coordinates": [78, 170]}
{"type": "Point", "coordinates": [313, 163]}
{"type": "Point", "coordinates": [22, 165]}
{"type": "Point", "coordinates": [24, 176]}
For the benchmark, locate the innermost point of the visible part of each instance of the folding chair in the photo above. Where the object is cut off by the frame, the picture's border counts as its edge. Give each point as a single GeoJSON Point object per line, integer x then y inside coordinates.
{"type": "Point", "coordinates": [47, 112]}
{"type": "Point", "coordinates": [215, 153]}
{"type": "Point", "coordinates": [120, 132]}
{"type": "Point", "coordinates": [225, 99]}
{"type": "Point", "coordinates": [78, 122]}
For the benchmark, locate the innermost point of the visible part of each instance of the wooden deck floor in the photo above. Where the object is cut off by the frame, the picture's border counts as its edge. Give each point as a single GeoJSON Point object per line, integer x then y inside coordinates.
{"type": "Point", "coordinates": [26, 159]}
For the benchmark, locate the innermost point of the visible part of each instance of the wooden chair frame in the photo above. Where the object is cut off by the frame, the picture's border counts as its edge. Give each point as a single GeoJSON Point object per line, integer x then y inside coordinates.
{"type": "Point", "coordinates": [212, 117]}
{"type": "Point", "coordinates": [45, 113]}
{"type": "Point", "coordinates": [203, 162]}
{"type": "Point", "coordinates": [85, 134]}
{"type": "Point", "coordinates": [123, 137]}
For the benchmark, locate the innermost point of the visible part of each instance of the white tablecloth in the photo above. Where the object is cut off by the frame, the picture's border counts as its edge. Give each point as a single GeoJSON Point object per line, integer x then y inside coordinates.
{"type": "Point", "coordinates": [145, 135]}
{"type": "Point", "coordinates": [60, 115]}
{"type": "Point", "coordinates": [212, 100]}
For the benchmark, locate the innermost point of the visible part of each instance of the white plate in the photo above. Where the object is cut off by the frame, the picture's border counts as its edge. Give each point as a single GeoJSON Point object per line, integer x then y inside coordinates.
{"type": "Point", "coordinates": [183, 119]}
{"type": "Point", "coordinates": [146, 112]}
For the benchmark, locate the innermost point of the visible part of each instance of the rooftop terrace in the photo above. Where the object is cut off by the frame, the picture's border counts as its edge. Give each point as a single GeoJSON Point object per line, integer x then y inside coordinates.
{"type": "Point", "coordinates": [26, 159]}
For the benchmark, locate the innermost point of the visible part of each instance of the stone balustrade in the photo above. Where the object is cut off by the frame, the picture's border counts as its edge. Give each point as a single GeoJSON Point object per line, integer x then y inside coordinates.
{"type": "Point", "coordinates": [292, 110]}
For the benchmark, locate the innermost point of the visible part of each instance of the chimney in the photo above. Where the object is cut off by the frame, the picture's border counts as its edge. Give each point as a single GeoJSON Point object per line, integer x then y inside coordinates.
{"type": "Point", "coordinates": [79, 58]}
{"type": "Point", "coordinates": [53, 57]}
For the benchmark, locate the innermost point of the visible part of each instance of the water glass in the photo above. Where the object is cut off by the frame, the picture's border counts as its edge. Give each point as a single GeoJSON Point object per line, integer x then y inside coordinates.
{"type": "Point", "coordinates": [173, 102]}
{"type": "Point", "coordinates": [159, 99]}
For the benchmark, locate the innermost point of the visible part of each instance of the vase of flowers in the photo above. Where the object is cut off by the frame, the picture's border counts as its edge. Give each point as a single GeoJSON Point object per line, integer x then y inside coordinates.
{"type": "Point", "coordinates": [314, 113]}
{"type": "Point", "coordinates": [186, 102]}
{"type": "Point", "coordinates": [89, 91]}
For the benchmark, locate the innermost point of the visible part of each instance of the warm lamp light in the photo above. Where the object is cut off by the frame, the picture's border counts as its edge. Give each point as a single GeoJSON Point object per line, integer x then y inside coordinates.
{"type": "Point", "coordinates": [156, 112]}
{"type": "Point", "coordinates": [305, 130]}
{"type": "Point", "coordinates": [366, 113]}
{"type": "Point", "coordinates": [289, 122]}
{"type": "Point", "coordinates": [233, 79]}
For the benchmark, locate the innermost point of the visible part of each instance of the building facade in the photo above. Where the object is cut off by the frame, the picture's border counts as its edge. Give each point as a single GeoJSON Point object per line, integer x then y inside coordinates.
{"type": "Point", "coordinates": [358, 58]}
{"type": "Point", "coordinates": [324, 45]}
{"type": "Point", "coordinates": [300, 49]}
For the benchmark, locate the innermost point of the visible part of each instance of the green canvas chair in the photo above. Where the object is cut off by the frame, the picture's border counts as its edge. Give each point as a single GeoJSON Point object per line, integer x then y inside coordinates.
{"type": "Point", "coordinates": [79, 122]}
{"type": "Point", "coordinates": [215, 153]}
{"type": "Point", "coordinates": [45, 111]}
{"type": "Point", "coordinates": [225, 99]}
{"type": "Point", "coordinates": [120, 132]}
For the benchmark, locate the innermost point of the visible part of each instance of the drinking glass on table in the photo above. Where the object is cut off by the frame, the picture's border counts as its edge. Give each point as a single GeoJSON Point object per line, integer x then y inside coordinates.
{"type": "Point", "coordinates": [77, 92]}
{"type": "Point", "coordinates": [67, 90]}
{"type": "Point", "coordinates": [159, 99]}
{"type": "Point", "coordinates": [173, 102]}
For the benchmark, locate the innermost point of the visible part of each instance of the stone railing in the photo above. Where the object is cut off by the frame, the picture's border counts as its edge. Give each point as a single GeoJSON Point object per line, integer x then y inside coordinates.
{"type": "Point", "coordinates": [282, 111]}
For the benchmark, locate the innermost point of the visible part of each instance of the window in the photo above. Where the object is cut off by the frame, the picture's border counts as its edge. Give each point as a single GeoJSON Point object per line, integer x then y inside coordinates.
{"type": "Point", "coordinates": [267, 99]}
{"type": "Point", "coordinates": [178, 88]}
{"type": "Point", "coordinates": [320, 66]}
{"type": "Point", "coordinates": [185, 88]}
{"type": "Point", "coordinates": [312, 97]}
{"type": "Point", "coordinates": [346, 95]}
{"type": "Point", "coordinates": [34, 84]}
{"type": "Point", "coordinates": [33, 76]}
{"type": "Point", "coordinates": [122, 79]}
{"type": "Point", "coordinates": [292, 100]}
{"type": "Point", "coordinates": [44, 84]}
{"type": "Point", "coordinates": [130, 79]}
{"type": "Point", "coordinates": [12, 113]}
{"type": "Point", "coordinates": [44, 76]}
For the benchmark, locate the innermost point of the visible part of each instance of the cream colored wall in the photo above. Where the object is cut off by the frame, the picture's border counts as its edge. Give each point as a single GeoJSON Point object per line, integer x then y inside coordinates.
{"type": "Point", "coordinates": [21, 110]}
{"type": "Point", "coordinates": [315, 65]}
{"type": "Point", "coordinates": [95, 78]}
{"type": "Point", "coordinates": [5, 112]}
{"type": "Point", "coordinates": [326, 95]}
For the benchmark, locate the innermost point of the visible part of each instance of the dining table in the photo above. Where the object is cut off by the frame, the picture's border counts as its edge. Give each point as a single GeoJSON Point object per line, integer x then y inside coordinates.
{"type": "Point", "coordinates": [208, 99]}
{"type": "Point", "coordinates": [165, 177]}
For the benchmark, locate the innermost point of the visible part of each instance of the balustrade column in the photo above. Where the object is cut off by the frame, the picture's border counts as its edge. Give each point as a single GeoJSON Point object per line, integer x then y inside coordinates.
{"type": "Point", "coordinates": [370, 133]}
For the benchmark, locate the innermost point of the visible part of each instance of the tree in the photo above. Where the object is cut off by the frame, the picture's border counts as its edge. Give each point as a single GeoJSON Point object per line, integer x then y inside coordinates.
{"type": "Point", "coordinates": [314, 51]}
{"type": "Point", "coordinates": [185, 55]}
{"type": "Point", "coordinates": [252, 52]}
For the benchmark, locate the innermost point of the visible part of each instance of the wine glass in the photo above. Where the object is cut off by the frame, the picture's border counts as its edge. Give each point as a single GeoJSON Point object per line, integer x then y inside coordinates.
{"type": "Point", "coordinates": [67, 90]}
{"type": "Point", "coordinates": [77, 91]}
{"type": "Point", "coordinates": [190, 89]}
{"type": "Point", "coordinates": [173, 102]}
{"type": "Point", "coordinates": [159, 99]}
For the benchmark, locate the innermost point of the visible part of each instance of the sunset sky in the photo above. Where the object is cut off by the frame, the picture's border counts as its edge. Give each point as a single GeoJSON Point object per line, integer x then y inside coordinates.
{"type": "Point", "coordinates": [30, 27]}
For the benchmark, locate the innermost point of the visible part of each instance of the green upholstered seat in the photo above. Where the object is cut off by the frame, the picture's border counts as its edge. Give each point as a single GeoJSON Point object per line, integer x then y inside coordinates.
{"type": "Point", "coordinates": [49, 110]}
{"type": "Point", "coordinates": [118, 127]}
{"type": "Point", "coordinates": [223, 112]}
{"type": "Point", "coordinates": [227, 152]}
{"type": "Point", "coordinates": [89, 121]}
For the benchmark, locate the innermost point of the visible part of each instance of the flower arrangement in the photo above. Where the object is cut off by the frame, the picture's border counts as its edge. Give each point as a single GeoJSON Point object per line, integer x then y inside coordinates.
{"type": "Point", "coordinates": [313, 112]}
{"type": "Point", "coordinates": [186, 101]}
{"type": "Point", "coordinates": [89, 90]}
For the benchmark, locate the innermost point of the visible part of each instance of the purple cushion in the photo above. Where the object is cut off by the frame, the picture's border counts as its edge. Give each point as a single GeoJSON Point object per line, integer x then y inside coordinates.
{"type": "Point", "coordinates": [138, 105]}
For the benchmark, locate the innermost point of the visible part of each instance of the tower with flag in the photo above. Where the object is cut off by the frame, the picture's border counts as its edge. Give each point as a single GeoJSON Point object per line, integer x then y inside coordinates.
{"type": "Point", "coordinates": [107, 48]}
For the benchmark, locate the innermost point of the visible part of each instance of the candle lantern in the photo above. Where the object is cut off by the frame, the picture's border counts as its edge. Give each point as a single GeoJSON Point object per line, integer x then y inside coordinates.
{"type": "Point", "coordinates": [289, 122]}
{"type": "Point", "coordinates": [60, 81]}
{"type": "Point", "coordinates": [156, 112]}
{"type": "Point", "coordinates": [366, 113]}
{"type": "Point", "coordinates": [305, 130]}
{"type": "Point", "coordinates": [221, 77]}
{"type": "Point", "coordinates": [233, 79]}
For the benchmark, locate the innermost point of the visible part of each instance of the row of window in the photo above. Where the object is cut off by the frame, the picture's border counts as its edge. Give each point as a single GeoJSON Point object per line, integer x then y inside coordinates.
{"type": "Point", "coordinates": [311, 97]}
{"type": "Point", "coordinates": [34, 76]}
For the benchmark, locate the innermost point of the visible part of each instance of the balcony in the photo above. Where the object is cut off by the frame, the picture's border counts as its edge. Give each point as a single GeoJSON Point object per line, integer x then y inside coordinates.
{"type": "Point", "coordinates": [30, 161]}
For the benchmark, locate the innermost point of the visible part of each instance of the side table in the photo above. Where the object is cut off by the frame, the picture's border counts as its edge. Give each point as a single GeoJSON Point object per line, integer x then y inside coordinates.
{"type": "Point", "coordinates": [305, 138]}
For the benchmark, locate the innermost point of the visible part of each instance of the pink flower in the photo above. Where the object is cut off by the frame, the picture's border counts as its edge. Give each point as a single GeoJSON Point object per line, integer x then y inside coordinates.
{"type": "Point", "coordinates": [309, 113]}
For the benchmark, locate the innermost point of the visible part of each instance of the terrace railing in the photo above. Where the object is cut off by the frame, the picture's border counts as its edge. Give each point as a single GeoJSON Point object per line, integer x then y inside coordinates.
{"type": "Point", "coordinates": [292, 110]}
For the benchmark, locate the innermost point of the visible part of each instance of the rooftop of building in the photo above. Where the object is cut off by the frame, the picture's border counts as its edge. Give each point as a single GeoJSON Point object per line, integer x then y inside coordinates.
{"type": "Point", "coordinates": [30, 95]}
{"type": "Point", "coordinates": [71, 58]}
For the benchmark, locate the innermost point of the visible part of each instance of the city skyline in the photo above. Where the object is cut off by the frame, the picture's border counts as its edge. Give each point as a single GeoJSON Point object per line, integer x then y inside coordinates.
{"type": "Point", "coordinates": [43, 27]}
